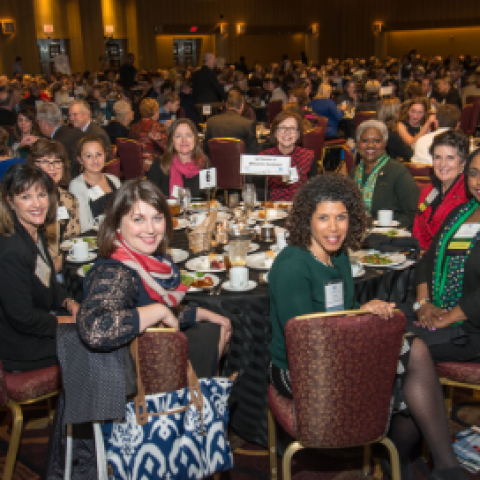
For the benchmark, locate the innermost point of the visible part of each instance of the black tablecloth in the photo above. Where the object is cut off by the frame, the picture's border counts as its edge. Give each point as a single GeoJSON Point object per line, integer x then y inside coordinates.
{"type": "Point", "coordinates": [249, 353]}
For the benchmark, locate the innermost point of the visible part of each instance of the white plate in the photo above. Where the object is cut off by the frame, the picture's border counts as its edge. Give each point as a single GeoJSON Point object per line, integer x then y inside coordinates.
{"type": "Point", "coordinates": [91, 256]}
{"type": "Point", "coordinates": [394, 223]}
{"type": "Point", "coordinates": [182, 223]}
{"type": "Point", "coordinates": [395, 258]}
{"type": "Point", "coordinates": [197, 265]}
{"type": "Point", "coordinates": [68, 244]}
{"type": "Point", "coordinates": [80, 271]}
{"type": "Point", "coordinates": [252, 248]}
{"type": "Point", "coordinates": [257, 261]}
{"type": "Point", "coordinates": [179, 255]}
{"type": "Point", "coordinates": [215, 279]}
{"type": "Point", "coordinates": [274, 214]}
{"type": "Point", "coordinates": [250, 286]}
{"type": "Point", "coordinates": [385, 230]}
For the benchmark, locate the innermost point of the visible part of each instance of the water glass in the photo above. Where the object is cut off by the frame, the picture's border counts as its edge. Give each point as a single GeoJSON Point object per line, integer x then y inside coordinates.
{"type": "Point", "coordinates": [184, 197]}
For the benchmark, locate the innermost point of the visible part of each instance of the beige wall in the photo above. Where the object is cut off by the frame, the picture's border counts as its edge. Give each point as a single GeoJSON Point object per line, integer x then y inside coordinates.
{"type": "Point", "coordinates": [444, 41]}
{"type": "Point", "coordinates": [164, 48]}
{"type": "Point", "coordinates": [23, 42]}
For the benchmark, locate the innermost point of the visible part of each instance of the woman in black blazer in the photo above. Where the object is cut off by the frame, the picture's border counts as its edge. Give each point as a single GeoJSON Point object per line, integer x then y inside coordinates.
{"type": "Point", "coordinates": [29, 291]}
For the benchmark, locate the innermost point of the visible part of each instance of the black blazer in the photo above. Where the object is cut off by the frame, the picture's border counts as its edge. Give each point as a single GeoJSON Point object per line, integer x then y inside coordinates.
{"type": "Point", "coordinates": [116, 130]}
{"type": "Point", "coordinates": [98, 131]}
{"type": "Point", "coordinates": [69, 137]}
{"type": "Point", "coordinates": [27, 328]}
{"type": "Point", "coordinates": [205, 86]}
{"type": "Point", "coordinates": [231, 125]}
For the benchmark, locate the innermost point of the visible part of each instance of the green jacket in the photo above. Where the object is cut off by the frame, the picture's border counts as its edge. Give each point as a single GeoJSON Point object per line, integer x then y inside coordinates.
{"type": "Point", "coordinates": [395, 190]}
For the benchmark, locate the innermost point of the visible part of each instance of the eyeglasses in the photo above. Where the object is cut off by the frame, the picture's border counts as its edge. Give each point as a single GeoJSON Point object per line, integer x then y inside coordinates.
{"type": "Point", "coordinates": [287, 129]}
{"type": "Point", "coordinates": [45, 163]}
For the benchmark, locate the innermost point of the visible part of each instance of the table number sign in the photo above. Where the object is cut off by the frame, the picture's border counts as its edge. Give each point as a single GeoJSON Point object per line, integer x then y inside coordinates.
{"type": "Point", "coordinates": [264, 165]}
{"type": "Point", "coordinates": [207, 110]}
{"type": "Point", "coordinates": [208, 178]}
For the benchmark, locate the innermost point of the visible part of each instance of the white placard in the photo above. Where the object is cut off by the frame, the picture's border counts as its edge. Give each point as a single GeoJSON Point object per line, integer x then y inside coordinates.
{"type": "Point", "coordinates": [208, 178]}
{"type": "Point", "coordinates": [207, 110]}
{"type": "Point", "coordinates": [264, 165]}
{"type": "Point", "coordinates": [386, 91]}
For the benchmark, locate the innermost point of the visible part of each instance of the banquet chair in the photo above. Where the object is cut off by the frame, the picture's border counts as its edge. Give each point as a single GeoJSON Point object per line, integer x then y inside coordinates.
{"type": "Point", "coordinates": [466, 118]}
{"type": "Point", "coordinates": [419, 169]}
{"type": "Point", "coordinates": [225, 154]}
{"type": "Point", "coordinates": [274, 108]}
{"type": "Point", "coordinates": [113, 167]}
{"type": "Point", "coordinates": [330, 144]}
{"type": "Point", "coordinates": [362, 117]}
{"type": "Point", "coordinates": [457, 374]}
{"type": "Point", "coordinates": [314, 139]}
{"type": "Point", "coordinates": [342, 369]}
{"type": "Point", "coordinates": [18, 390]}
{"type": "Point", "coordinates": [131, 159]}
{"type": "Point", "coordinates": [472, 99]}
{"type": "Point", "coordinates": [423, 182]}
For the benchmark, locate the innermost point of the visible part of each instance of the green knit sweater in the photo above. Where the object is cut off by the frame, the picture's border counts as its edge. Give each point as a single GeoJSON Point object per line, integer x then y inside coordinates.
{"type": "Point", "coordinates": [296, 287]}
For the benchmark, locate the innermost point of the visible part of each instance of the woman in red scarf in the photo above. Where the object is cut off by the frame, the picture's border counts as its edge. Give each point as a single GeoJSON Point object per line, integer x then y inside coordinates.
{"type": "Point", "coordinates": [182, 161]}
{"type": "Point", "coordinates": [449, 152]}
{"type": "Point", "coordinates": [135, 283]}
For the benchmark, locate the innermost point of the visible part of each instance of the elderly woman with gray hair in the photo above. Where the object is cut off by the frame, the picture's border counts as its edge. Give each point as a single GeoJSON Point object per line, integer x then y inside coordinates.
{"type": "Point", "coordinates": [119, 127]}
{"type": "Point", "coordinates": [386, 184]}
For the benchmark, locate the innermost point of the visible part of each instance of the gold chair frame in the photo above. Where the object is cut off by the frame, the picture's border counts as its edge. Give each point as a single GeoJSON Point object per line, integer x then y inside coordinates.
{"type": "Point", "coordinates": [296, 445]}
{"type": "Point", "coordinates": [17, 425]}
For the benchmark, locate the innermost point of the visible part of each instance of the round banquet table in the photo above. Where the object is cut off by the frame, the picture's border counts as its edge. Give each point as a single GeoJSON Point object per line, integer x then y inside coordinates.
{"type": "Point", "coordinates": [249, 346]}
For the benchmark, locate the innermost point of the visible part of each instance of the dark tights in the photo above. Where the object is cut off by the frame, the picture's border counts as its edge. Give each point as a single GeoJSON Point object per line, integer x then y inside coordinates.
{"type": "Point", "coordinates": [424, 398]}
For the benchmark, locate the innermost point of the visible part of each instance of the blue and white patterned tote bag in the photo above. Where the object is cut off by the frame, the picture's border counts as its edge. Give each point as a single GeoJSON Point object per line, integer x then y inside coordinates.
{"type": "Point", "coordinates": [176, 435]}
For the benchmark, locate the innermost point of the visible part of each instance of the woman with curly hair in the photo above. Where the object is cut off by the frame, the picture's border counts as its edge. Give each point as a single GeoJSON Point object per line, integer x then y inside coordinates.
{"type": "Point", "coordinates": [327, 217]}
{"type": "Point", "coordinates": [414, 121]}
{"type": "Point", "coordinates": [182, 161]}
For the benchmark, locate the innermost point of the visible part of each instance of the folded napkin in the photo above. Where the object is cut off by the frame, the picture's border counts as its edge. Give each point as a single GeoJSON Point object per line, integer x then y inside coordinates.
{"type": "Point", "coordinates": [386, 244]}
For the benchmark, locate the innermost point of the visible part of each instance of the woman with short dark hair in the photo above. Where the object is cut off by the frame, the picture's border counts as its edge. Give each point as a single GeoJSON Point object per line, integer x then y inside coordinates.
{"type": "Point", "coordinates": [286, 132]}
{"type": "Point", "coordinates": [449, 152]}
{"type": "Point", "coordinates": [52, 158]}
{"type": "Point", "coordinates": [29, 290]}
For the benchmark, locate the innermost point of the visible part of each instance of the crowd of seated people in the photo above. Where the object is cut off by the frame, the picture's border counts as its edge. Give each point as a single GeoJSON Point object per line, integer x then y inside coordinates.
{"type": "Point", "coordinates": [58, 133]}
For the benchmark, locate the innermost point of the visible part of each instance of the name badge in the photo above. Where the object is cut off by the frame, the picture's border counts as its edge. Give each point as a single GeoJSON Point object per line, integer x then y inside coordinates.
{"type": "Point", "coordinates": [174, 193]}
{"type": "Point", "coordinates": [333, 296]}
{"type": "Point", "coordinates": [95, 192]}
{"type": "Point", "coordinates": [42, 271]}
{"type": "Point", "coordinates": [62, 213]}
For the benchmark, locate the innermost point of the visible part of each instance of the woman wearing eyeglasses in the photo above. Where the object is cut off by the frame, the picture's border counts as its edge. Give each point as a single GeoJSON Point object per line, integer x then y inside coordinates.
{"type": "Point", "coordinates": [286, 132]}
{"type": "Point", "coordinates": [52, 158]}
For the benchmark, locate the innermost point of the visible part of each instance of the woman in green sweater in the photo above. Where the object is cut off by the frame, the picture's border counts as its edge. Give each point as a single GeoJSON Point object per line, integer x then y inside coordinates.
{"type": "Point", "coordinates": [313, 274]}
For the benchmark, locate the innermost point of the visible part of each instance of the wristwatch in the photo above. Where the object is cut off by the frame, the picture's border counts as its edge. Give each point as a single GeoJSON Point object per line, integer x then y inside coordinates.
{"type": "Point", "coordinates": [420, 303]}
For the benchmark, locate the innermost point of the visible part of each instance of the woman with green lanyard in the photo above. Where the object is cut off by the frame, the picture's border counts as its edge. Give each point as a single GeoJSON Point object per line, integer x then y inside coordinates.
{"type": "Point", "coordinates": [313, 274]}
{"type": "Point", "coordinates": [386, 184]}
{"type": "Point", "coordinates": [448, 280]}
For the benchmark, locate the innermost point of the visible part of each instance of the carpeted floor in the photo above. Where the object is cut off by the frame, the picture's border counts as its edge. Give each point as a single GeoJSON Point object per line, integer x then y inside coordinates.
{"type": "Point", "coordinates": [251, 461]}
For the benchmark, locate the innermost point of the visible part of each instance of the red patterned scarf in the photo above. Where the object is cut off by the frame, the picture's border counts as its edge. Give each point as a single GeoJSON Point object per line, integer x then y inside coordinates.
{"type": "Point", "coordinates": [161, 279]}
{"type": "Point", "coordinates": [178, 170]}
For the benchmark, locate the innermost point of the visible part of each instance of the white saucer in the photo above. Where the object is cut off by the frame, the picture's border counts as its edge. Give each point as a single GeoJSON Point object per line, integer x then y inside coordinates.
{"type": "Point", "coordinates": [91, 256]}
{"type": "Point", "coordinates": [250, 286]}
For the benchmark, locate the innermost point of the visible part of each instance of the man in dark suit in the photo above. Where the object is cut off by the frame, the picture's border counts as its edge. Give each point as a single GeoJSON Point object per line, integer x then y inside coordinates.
{"type": "Point", "coordinates": [80, 117]}
{"type": "Point", "coordinates": [446, 93]}
{"type": "Point", "coordinates": [231, 124]}
{"type": "Point", "coordinates": [206, 88]}
{"type": "Point", "coordinates": [50, 122]}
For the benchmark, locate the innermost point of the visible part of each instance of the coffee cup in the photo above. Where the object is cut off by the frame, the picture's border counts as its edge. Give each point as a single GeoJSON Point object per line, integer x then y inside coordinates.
{"type": "Point", "coordinates": [385, 218]}
{"type": "Point", "coordinates": [239, 277]}
{"type": "Point", "coordinates": [79, 251]}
